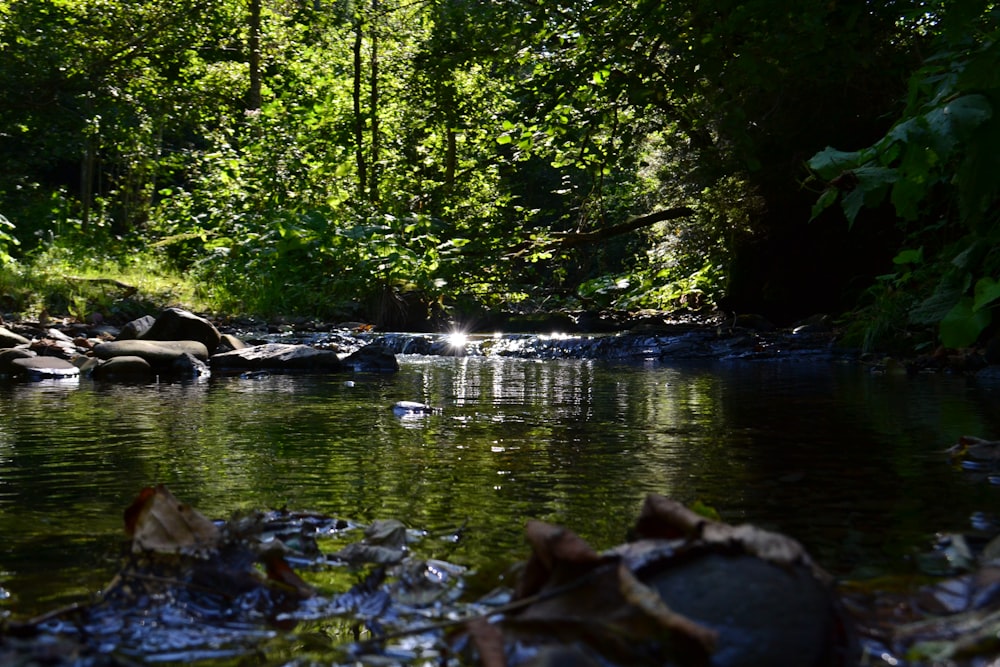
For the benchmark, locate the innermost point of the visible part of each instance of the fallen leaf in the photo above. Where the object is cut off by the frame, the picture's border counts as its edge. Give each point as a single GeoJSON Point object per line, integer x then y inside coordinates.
{"type": "Point", "coordinates": [157, 521]}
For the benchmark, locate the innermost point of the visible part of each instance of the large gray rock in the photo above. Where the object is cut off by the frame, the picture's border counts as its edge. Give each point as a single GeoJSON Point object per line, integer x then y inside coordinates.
{"type": "Point", "coordinates": [39, 368]}
{"type": "Point", "coordinates": [8, 356]}
{"type": "Point", "coordinates": [178, 324]}
{"type": "Point", "coordinates": [277, 358]}
{"type": "Point", "coordinates": [10, 339]}
{"type": "Point", "coordinates": [161, 355]}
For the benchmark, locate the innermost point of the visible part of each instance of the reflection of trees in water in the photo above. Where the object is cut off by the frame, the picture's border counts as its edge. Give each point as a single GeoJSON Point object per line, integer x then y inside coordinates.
{"type": "Point", "coordinates": [825, 455]}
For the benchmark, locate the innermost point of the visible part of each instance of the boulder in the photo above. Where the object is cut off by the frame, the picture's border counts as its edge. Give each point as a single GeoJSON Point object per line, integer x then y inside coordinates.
{"type": "Point", "coordinates": [8, 356]}
{"type": "Point", "coordinates": [161, 355]}
{"type": "Point", "coordinates": [136, 328]}
{"type": "Point", "coordinates": [277, 358]}
{"type": "Point", "coordinates": [372, 358]}
{"type": "Point", "coordinates": [10, 339]}
{"type": "Point", "coordinates": [41, 368]}
{"type": "Point", "coordinates": [178, 324]}
{"type": "Point", "coordinates": [123, 368]}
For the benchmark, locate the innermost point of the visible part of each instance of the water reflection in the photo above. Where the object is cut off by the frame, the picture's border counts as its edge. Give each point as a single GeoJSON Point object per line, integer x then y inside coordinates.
{"type": "Point", "coordinates": [848, 463]}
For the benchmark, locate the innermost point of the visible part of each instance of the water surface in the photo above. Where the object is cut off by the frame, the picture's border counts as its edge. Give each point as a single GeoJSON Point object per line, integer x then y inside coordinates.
{"type": "Point", "coordinates": [848, 462]}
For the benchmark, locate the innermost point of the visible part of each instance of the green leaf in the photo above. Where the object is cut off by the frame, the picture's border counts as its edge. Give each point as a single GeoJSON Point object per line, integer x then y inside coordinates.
{"type": "Point", "coordinates": [987, 291]}
{"type": "Point", "coordinates": [824, 202]}
{"type": "Point", "coordinates": [909, 256]}
{"type": "Point", "coordinates": [963, 325]}
{"type": "Point", "coordinates": [830, 163]}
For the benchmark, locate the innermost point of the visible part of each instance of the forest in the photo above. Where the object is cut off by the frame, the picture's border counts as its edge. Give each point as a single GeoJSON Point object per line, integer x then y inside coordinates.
{"type": "Point", "coordinates": [406, 161]}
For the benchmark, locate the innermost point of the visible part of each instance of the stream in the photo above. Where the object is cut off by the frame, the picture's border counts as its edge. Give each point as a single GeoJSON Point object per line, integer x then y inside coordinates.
{"type": "Point", "coordinates": [849, 462]}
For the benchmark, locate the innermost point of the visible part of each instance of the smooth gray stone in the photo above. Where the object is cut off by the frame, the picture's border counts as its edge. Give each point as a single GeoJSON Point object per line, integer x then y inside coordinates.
{"type": "Point", "coordinates": [8, 356]}
{"type": "Point", "coordinates": [159, 354]}
{"type": "Point", "coordinates": [45, 367]}
{"type": "Point", "coordinates": [123, 368]}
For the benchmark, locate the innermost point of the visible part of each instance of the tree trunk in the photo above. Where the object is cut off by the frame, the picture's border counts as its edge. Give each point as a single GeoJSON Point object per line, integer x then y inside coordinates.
{"type": "Point", "coordinates": [359, 120]}
{"type": "Point", "coordinates": [254, 95]}
{"type": "Point", "coordinates": [374, 102]}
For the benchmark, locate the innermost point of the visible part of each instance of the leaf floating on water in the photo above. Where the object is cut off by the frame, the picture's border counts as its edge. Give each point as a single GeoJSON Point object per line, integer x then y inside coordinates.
{"type": "Point", "coordinates": [157, 521]}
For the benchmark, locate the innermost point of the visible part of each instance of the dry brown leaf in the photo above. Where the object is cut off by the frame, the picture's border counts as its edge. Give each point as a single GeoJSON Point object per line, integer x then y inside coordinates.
{"type": "Point", "coordinates": [649, 602]}
{"type": "Point", "coordinates": [279, 571]}
{"type": "Point", "coordinates": [553, 545]}
{"type": "Point", "coordinates": [157, 521]}
{"type": "Point", "coordinates": [663, 518]}
{"type": "Point", "coordinates": [488, 641]}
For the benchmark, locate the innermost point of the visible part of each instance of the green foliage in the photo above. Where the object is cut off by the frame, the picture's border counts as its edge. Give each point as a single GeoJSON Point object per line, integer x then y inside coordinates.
{"type": "Point", "coordinates": [7, 240]}
{"type": "Point", "coordinates": [935, 166]}
{"type": "Point", "coordinates": [401, 148]}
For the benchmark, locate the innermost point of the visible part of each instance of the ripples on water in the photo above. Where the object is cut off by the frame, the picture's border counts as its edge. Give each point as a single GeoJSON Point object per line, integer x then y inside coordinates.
{"type": "Point", "coordinates": [847, 462]}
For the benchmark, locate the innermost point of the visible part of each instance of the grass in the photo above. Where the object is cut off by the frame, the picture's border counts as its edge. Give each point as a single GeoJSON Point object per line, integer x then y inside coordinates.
{"type": "Point", "coordinates": [89, 286]}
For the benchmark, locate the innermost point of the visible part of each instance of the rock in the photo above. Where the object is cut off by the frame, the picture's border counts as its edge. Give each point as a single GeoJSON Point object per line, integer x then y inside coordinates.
{"type": "Point", "coordinates": [277, 358]}
{"type": "Point", "coordinates": [765, 614]}
{"type": "Point", "coordinates": [229, 342]}
{"type": "Point", "coordinates": [136, 328]}
{"type": "Point", "coordinates": [752, 322]}
{"type": "Point", "coordinates": [178, 324]}
{"type": "Point", "coordinates": [40, 368]}
{"type": "Point", "coordinates": [160, 354]}
{"type": "Point", "coordinates": [123, 368]}
{"type": "Point", "coordinates": [819, 323]}
{"type": "Point", "coordinates": [372, 358]}
{"type": "Point", "coordinates": [9, 355]}
{"type": "Point", "coordinates": [190, 366]}
{"type": "Point", "coordinates": [10, 339]}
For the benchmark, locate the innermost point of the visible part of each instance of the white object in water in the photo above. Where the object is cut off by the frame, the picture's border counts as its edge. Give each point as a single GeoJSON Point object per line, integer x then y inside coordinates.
{"type": "Point", "coordinates": [411, 408]}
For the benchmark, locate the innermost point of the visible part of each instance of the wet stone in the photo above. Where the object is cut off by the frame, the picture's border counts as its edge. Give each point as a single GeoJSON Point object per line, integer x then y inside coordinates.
{"type": "Point", "coordinates": [45, 368]}
{"type": "Point", "coordinates": [8, 356]}
{"type": "Point", "coordinates": [124, 367]}
{"type": "Point", "coordinates": [160, 354]}
{"type": "Point", "coordinates": [277, 358]}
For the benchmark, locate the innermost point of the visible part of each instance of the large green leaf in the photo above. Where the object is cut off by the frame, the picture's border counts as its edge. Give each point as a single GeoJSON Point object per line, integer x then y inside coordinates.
{"type": "Point", "coordinates": [963, 324]}
{"type": "Point", "coordinates": [830, 163]}
{"type": "Point", "coordinates": [986, 292]}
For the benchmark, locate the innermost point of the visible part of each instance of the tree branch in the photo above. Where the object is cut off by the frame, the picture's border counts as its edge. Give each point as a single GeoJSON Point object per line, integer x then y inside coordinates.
{"type": "Point", "coordinates": [563, 240]}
